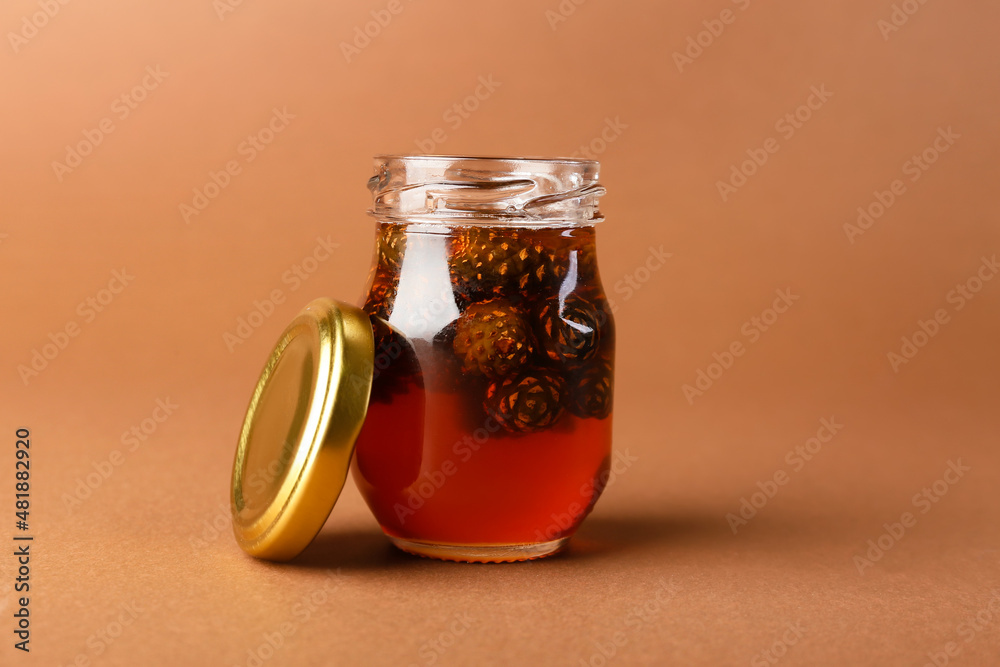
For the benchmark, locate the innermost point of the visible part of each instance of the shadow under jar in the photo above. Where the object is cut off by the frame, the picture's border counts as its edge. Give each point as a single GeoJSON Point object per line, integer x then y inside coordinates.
{"type": "Point", "coordinates": [488, 435]}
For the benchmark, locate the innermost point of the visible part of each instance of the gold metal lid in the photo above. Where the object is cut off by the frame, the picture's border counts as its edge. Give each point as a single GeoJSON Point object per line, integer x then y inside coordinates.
{"type": "Point", "coordinates": [299, 432]}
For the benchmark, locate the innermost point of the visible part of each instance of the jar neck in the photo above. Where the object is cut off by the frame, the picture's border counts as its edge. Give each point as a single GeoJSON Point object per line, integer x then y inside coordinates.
{"type": "Point", "coordinates": [519, 192]}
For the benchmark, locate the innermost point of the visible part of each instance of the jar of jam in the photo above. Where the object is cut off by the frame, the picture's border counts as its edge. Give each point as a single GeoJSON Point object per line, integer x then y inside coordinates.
{"type": "Point", "coordinates": [485, 435]}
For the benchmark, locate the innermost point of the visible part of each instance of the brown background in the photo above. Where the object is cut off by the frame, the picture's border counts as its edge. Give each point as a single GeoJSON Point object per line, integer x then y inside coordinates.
{"type": "Point", "coordinates": [143, 536]}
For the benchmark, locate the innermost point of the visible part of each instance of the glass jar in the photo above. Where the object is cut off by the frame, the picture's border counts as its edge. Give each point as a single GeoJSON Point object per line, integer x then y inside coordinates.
{"type": "Point", "coordinates": [488, 433]}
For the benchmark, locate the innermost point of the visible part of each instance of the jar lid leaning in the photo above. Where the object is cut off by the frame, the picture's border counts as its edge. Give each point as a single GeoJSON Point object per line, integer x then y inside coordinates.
{"type": "Point", "coordinates": [300, 428]}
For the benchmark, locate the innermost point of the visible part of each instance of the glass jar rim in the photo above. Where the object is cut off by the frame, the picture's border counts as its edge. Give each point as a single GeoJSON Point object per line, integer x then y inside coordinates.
{"type": "Point", "coordinates": [486, 190]}
{"type": "Point", "coordinates": [485, 158]}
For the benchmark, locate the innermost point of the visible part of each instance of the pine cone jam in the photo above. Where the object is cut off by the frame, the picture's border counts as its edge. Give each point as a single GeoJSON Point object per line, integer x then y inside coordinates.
{"type": "Point", "coordinates": [488, 432]}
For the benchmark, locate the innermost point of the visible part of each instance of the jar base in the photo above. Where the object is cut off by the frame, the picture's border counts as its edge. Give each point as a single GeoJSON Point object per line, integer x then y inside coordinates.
{"type": "Point", "coordinates": [499, 553]}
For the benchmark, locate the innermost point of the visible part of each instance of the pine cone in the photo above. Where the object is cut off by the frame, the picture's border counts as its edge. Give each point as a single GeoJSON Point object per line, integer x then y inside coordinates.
{"type": "Point", "coordinates": [445, 338]}
{"type": "Point", "coordinates": [526, 404]}
{"type": "Point", "coordinates": [390, 247]}
{"type": "Point", "coordinates": [550, 269]}
{"type": "Point", "coordinates": [492, 339]}
{"type": "Point", "coordinates": [396, 364]}
{"type": "Point", "coordinates": [390, 244]}
{"type": "Point", "coordinates": [586, 263]}
{"type": "Point", "coordinates": [491, 262]}
{"type": "Point", "coordinates": [444, 369]}
{"type": "Point", "coordinates": [572, 333]}
{"type": "Point", "coordinates": [592, 390]}
{"type": "Point", "coordinates": [381, 295]}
